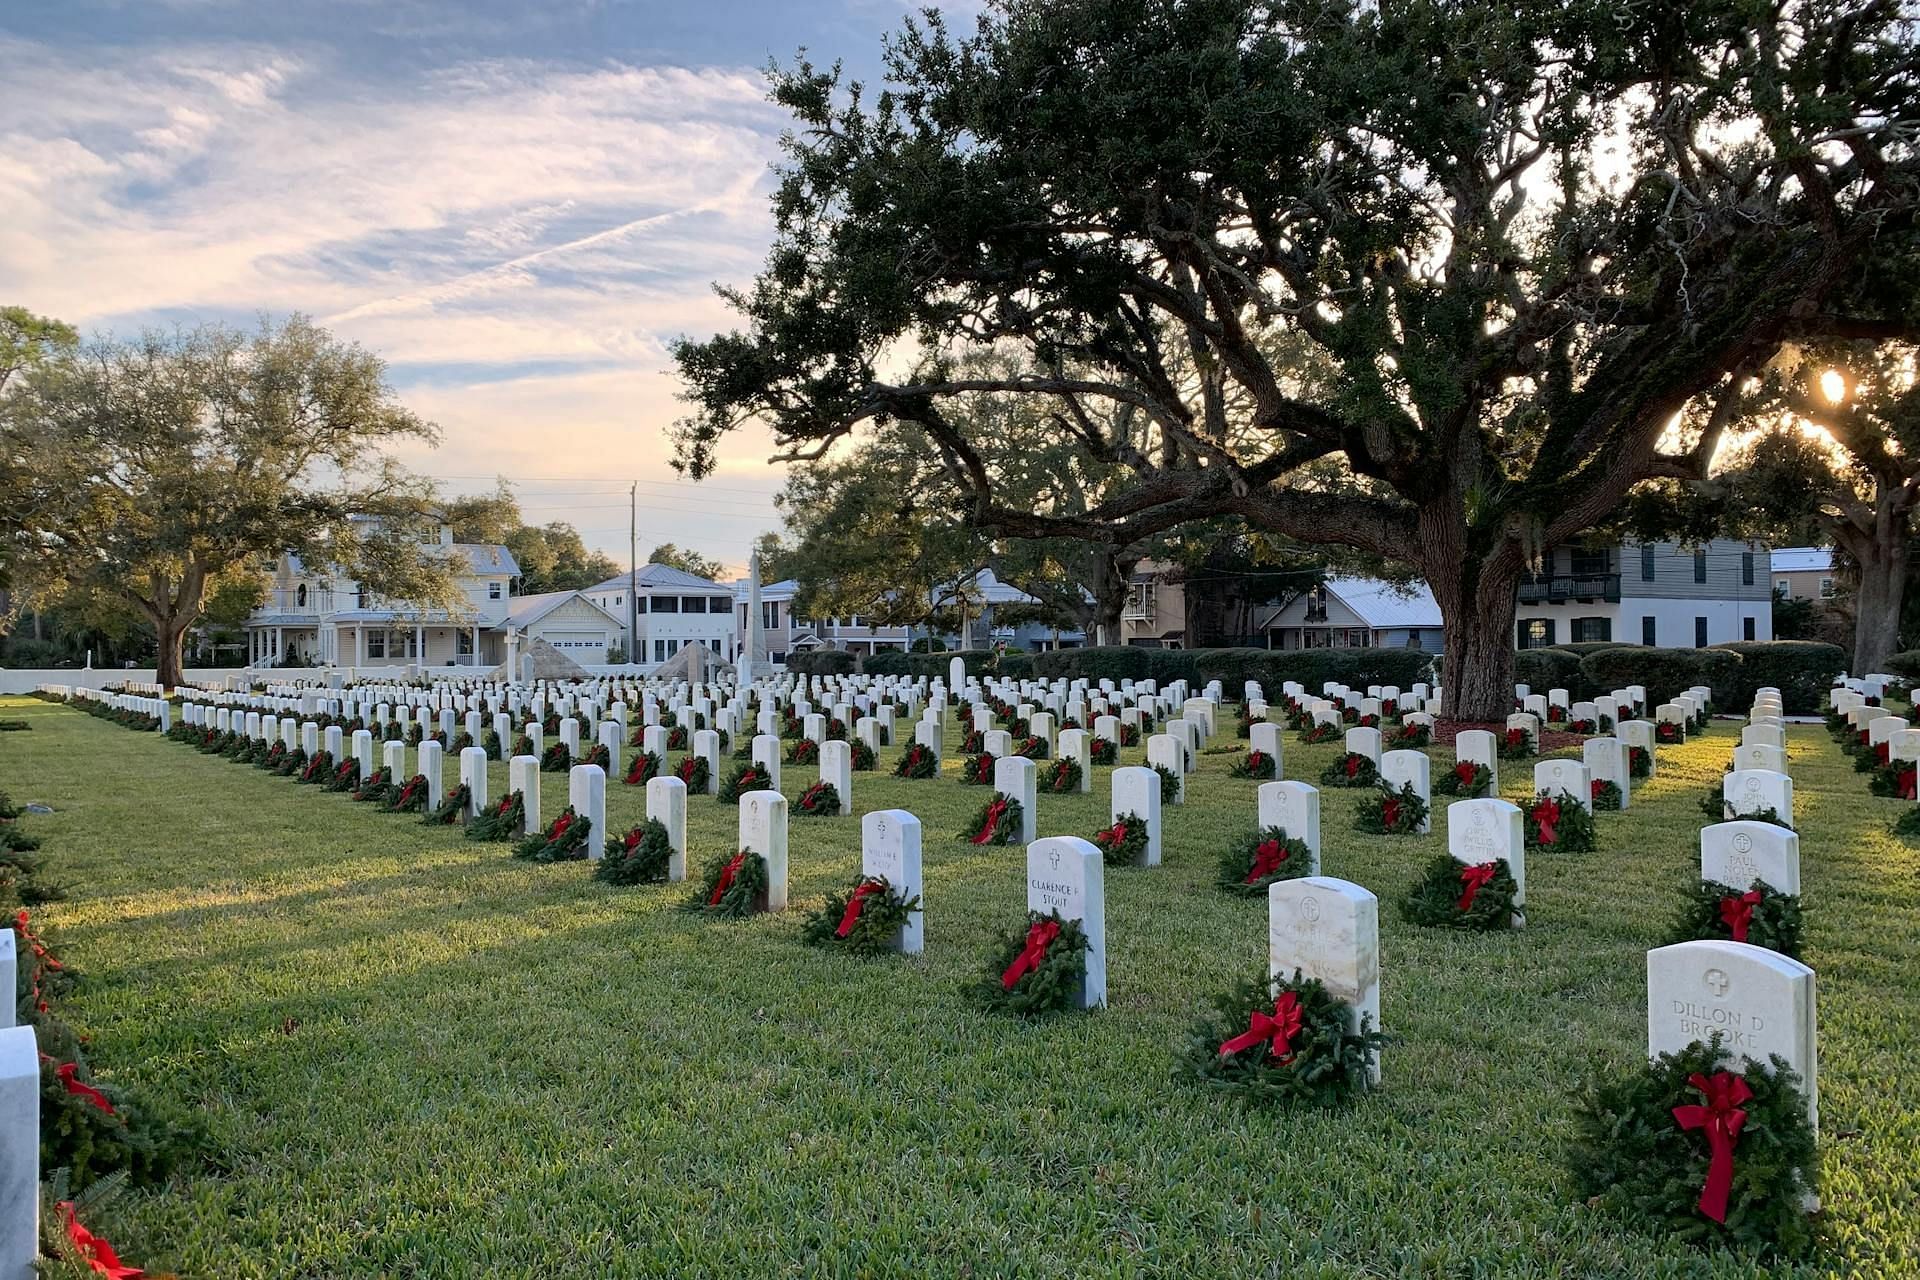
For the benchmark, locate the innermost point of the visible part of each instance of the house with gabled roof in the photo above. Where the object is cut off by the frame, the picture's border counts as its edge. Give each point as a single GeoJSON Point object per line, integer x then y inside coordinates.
{"type": "Point", "coordinates": [1358, 613]}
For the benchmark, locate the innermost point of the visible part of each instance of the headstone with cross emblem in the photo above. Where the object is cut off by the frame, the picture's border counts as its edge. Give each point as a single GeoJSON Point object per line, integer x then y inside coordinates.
{"type": "Point", "coordinates": [1490, 830]}
{"type": "Point", "coordinates": [1738, 853]}
{"type": "Point", "coordinates": [1400, 769]}
{"type": "Point", "coordinates": [1565, 778]}
{"type": "Point", "coordinates": [763, 830]}
{"type": "Point", "coordinates": [1136, 793]}
{"type": "Point", "coordinates": [1329, 929]}
{"type": "Point", "coordinates": [1751, 791]}
{"type": "Point", "coordinates": [1294, 807]}
{"type": "Point", "coordinates": [1759, 1001]}
{"type": "Point", "coordinates": [1478, 746]}
{"type": "Point", "coordinates": [890, 848]}
{"type": "Point", "coordinates": [1065, 874]}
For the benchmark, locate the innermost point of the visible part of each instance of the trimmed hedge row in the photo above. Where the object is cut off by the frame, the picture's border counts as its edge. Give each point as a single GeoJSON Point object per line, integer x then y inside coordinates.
{"type": "Point", "coordinates": [1803, 671]}
{"type": "Point", "coordinates": [1233, 667]}
{"type": "Point", "coordinates": [821, 662]}
{"type": "Point", "coordinates": [893, 662]}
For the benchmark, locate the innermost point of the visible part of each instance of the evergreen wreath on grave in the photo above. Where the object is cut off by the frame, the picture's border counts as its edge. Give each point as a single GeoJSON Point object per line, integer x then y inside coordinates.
{"type": "Point", "coordinates": [669, 719]}
{"type": "Point", "coordinates": [1169, 784]}
{"type": "Point", "coordinates": [345, 776]}
{"type": "Point", "coordinates": [1061, 777]}
{"type": "Point", "coordinates": [377, 787]}
{"type": "Point", "coordinates": [1103, 751]}
{"type": "Point", "coordinates": [644, 769]}
{"type": "Point", "coordinates": [564, 840]}
{"type": "Point", "coordinates": [863, 919]}
{"type": "Point", "coordinates": [522, 745]}
{"type": "Point", "coordinates": [1390, 812]}
{"type": "Point", "coordinates": [1037, 970]}
{"type": "Point", "coordinates": [1694, 1145]}
{"type": "Point", "coordinates": [1667, 733]}
{"type": "Point", "coordinates": [293, 764]}
{"type": "Point", "coordinates": [240, 750]}
{"type": "Point", "coordinates": [1353, 769]}
{"type": "Point", "coordinates": [550, 724]}
{"type": "Point", "coordinates": [977, 771]}
{"type": "Point", "coordinates": [1368, 720]}
{"type": "Point", "coordinates": [917, 762]}
{"type": "Point", "coordinates": [16, 840]}
{"type": "Point", "coordinates": [1582, 726]}
{"type": "Point", "coordinates": [1320, 731]}
{"type": "Point", "coordinates": [1261, 857]}
{"type": "Point", "coordinates": [1468, 779]}
{"type": "Point", "coordinates": [598, 754]}
{"type": "Point", "coordinates": [805, 751]}
{"type": "Point", "coordinates": [638, 738]}
{"type": "Point", "coordinates": [1243, 724]}
{"type": "Point", "coordinates": [1606, 795]}
{"type": "Point", "coordinates": [1759, 914]}
{"type": "Point", "coordinates": [1714, 805]}
{"type": "Point", "coordinates": [557, 758]}
{"type": "Point", "coordinates": [271, 760]}
{"type": "Point", "coordinates": [1295, 715]}
{"type": "Point", "coordinates": [318, 768]}
{"type": "Point", "coordinates": [416, 734]}
{"type": "Point", "coordinates": [409, 797]}
{"type": "Point", "coordinates": [461, 741]}
{"type": "Point", "coordinates": [1460, 895]}
{"type": "Point", "coordinates": [998, 822]}
{"type": "Point", "coordinates": [862, 756]}
{"type": "Point", "coordinates": [1071, 723]}
{"type": "Point", "coordinates": [1897, 779]}
{"type": "Point", "coordinates": [1033, 748]}
{"type": "Point", "coordinates": [1517, 744]}
{"type": "Point", "coordinates": [1281, 1042]}
{"type": "Point", "coordinates": [1558, 822]}
{"type": "Point", "coordinates": [748, 777]}
{"type": "Point", "coordinates": [821, 800]}
{"type": "Point", "coordinates": [1639, 762]}
{"type": "Point", "coordinates": [1123, 843]}
{"type": "Point", "coordinates": [1908, 823]}
{"type": "Point", "coordinates": [1349, 715]}
{"type": "Point", "coordinates": [694, 771]}
{"type": "Point", "coordinates": [1255, 764]}
{"type": "Point", "coordinates": [501, 820]}
{"type": "Point", "coordinates": [1556, 714]}
{"type": "Point", "coordinates": [1410, 737]}
{"type": "Point", "coordinates": [1129, 735]}
{"type": "Point", "coordinates": [677, 738]}
{"type": "Point", "coordinates": [836, 729]}
{"type": "Point", "coordinates": [639, 857]}
{"type": "Point", "coordinates": [451, 808]}
{"type": "Point", "coordinates": [973, 742]}
{"type": "Point", "coordinates": [732, 886]}
{"type": "Point", "coordinates": [490, 743]}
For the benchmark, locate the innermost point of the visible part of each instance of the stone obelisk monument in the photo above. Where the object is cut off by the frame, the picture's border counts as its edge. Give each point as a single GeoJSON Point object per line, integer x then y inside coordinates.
{"type": "Point", "coordinates": [753, 661]}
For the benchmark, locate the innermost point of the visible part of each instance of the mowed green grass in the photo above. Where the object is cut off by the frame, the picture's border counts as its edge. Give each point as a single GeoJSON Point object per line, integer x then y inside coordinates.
{"type": "Point", "coordinates": [421, 1057]}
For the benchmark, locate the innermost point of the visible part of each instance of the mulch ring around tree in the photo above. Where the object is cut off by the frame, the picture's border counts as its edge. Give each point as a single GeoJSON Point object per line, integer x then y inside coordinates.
{"type": "Point", "coordinates": [1550, 739]}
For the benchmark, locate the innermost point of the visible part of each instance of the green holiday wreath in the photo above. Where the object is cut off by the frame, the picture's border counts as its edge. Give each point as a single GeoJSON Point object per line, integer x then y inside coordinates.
{"type": "Point", "coordinates": [564, 840]}
{"type": "Point", "coordinates": [1124, 844]}
{"type": "Point", "coordinates": [805, 751]}
{"type": "Point", "coordinates": [917, 762]}
{"type": "Point", "coordinates": [557, 758]}
{"type": "Point", "coordinates": [748, 777]}
{"type": "Point", "coordinates": [642, 856]}
{"type": "Point", "coordinates": [376, 789]}
{"type": "Point", "coordinates": [1351, 770]}
{"type": "Point", "coordinates": [1169, 784]}
{"type": "Point", "coordinates": [1257, 765]}
{"type": "Point", "coordinates": [1607, 795]}
{"type": "Point", "coordinates": [1759, 914]}
{"type": "Point", "coordinates": [1103, 751]}
{"type": "Point", "coordinates": [999, 821]}
{"type": "Point", "coordinates": [1289, 1042]}
{"type": "Point", "coordinates": [695, 772]}
{"type": "Point", "coordinates": [501, 820]}
{"type": "Point", "coordinates": [1390, 812]}
{"type": "Point", "coordinates": [1061, 777]}
{"type": "Point", "coordinates": [1410, 737]}
{"type": "Point", "coordinates": [318, 768]}
{"type": "Point", "coordinates": [865, 918]}
{"type": "Point", "coordinates": [1558, 822]}
{"type": "Point", "coordinates": [732, 886]}
{"type": "Point", "coordinates": [1648, 1143]}
{"type": "Point", "coordinates": [1260, 858]}
{"type": "Point", "coordinates": [451, 809]}
{"type": "Point", "coordinates": [1517, 744]}
{"type": "Point", "coordinates": [977, 771]}
{"type": "Point", "coordinates": [644, 769]}
{"type": "Point", "coordinates": [821, 800]}
{"type": "Point", "coordinates": [1468, 779]}
{"type": "Point", "coordinates": [1320, 731]}
{"type": "Point", "coordinates": [1458, 895]}
{"type": "Point", "coordinates": [862, 756]}
{"type": "Point", "coordinates": [1040, 969]}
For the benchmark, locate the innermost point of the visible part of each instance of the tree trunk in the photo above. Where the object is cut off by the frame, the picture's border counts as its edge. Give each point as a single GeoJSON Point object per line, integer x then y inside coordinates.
{"type": "Point", "coordinates": [1477, 595]}
{"type": "Point", "coordinates": [170, 634]}
{"type": "Point", "coordinates": [1882, 591]}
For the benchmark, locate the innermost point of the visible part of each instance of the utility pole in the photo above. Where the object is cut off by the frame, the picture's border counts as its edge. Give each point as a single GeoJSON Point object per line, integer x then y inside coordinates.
{"type": "Point", "coordinates": [633, 573]}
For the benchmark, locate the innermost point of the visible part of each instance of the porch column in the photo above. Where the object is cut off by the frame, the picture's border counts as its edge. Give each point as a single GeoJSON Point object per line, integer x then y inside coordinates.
{"type": "Point", "coordinates": [476, 646]}
{"type": "Point", "coordinates": [420, 644]}
{"type": "Point", "coordinates": [279, 644]}
{"type": "Point", "coordinates": [360, 645]}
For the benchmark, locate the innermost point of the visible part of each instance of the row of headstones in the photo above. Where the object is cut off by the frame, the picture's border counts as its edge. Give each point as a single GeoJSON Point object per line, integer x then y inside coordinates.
{"type": "Point", "coordinates": [159, 708]}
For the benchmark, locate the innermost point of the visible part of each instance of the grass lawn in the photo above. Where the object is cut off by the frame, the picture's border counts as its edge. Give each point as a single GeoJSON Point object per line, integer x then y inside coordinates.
{"type": "Point", "coordinates": [421, 1057]}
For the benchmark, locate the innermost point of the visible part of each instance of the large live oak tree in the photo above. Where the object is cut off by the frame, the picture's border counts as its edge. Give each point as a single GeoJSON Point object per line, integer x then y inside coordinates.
{"type": "Point", "coordinates": [156, 471]}
{"type": "Point", "coordinates": [1437, 280]}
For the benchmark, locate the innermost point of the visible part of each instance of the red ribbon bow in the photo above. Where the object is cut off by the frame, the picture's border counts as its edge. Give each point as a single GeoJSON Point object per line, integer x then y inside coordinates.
{"type": "Point", "coordinates": [1267, 857]}
{"type": "Point", "coordinates": [1547, 815]}
{"type": "Point", "coordinates": [94, 1251]}
{"type": "Point", "coordinates": [1722, 1118]}
{"type": "Point", "coordinates": [855, 905]}
{"type": "Point", "coordinates": [725, 882]}
{"type": "Point", "coordinates": [1390, 812]}
{"type": "Point", "coordinates": [1353, 763]}
{"type": "Point", "coordinates": [1040, 936]}
{"type": "Point", "coordinates": [1466, 771]}
{"type": "Point", "coordinates": [1256, 760]}
{"type": "Point", "coordinates": [1279, 1029]}
{"type": "Point", "coordinates": [632, 841]}
{"type": "Point", "coordinates": [1882, 752]}
{"type": "Point", "coordinates": [1908, 779]}
{"type": "Point", "coordinates": [559, 827]}
{"type": "Point", "coordinates": [1475, 878]}
{"type": "Point", "coordinates": [1113, 837]}
{"type": "Point", "coordinates": [69, 1076]}
{"type": "Point", "coordinates": [1737, 913]}
{"type": "Point", "coordinates": [995, 811]}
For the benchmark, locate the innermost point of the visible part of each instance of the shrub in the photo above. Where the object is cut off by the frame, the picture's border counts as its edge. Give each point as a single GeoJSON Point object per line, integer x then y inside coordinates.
{"type": "Point", "coordinates": [1905, 664]}
{"type": "Point", "coordinates": [894, 663]}
{"type": "Point", "coordinates": [1550, 668]}
{"type": "Point", "coordinates": [1803, 671]}
{"type": "Point", "coordinates": [1664, 672]}
{"type": "Point", "coordinates": [1582, 648]}
{"type": "Point", "coordinates": [821, 662]}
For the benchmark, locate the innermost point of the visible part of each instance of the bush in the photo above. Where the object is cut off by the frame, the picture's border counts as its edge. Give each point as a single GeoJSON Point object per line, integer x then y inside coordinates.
{"type": "Point", "coordinates": [1664, 672]}
{"type": "Point", "coordinates": [1233, 667]}
{"type": "Point", "coordinates": [1584, 647]}
{"type": "Point", "coordinates": [1905, 664]}
{"type": "Point", "coordinates": [821, 662]}
{"type": "Point", "coordinates": [1551, 668]}
{"type": "Point", "coordinates": [1803, 671]}
{"type": "Point", "coordinates": [979, 662]}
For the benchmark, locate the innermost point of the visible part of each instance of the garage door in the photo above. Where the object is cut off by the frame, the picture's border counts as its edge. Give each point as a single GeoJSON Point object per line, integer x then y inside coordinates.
{"type": "Point", "coordinates": [571, 642]}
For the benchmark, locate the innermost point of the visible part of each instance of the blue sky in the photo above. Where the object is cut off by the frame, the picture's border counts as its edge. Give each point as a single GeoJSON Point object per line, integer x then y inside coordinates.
{"type": "Point", "coordinates": [518, 204]}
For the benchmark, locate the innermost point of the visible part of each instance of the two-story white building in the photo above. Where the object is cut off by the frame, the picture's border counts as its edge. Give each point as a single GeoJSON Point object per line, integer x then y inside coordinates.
{"type": "Point", "coordinates": [1674, 595]}
{"type": "Point", "coordinates": [671, 609]}
{"type": "Point", "coordinates": [320, 616]}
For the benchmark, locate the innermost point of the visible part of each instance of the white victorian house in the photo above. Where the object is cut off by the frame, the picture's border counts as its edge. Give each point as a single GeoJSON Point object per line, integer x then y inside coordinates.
{"type": "Point", "coordinates": [659, 610]}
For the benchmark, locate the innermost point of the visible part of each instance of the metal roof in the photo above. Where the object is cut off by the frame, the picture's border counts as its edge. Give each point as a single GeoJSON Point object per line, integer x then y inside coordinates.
{"type": "Point", "coordinates": [656, 576]}
{"type": "Point", "coordinates": [1802, 560]}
